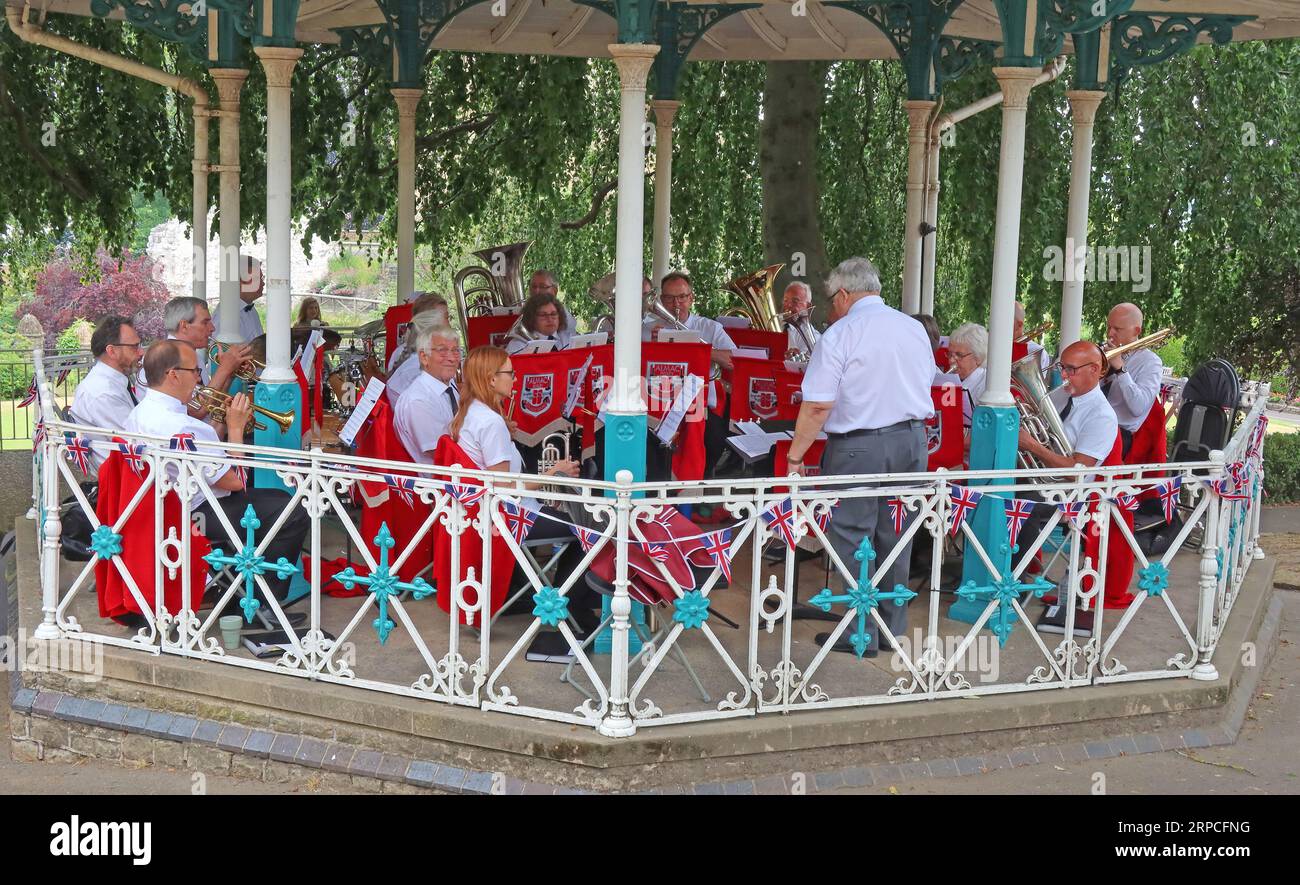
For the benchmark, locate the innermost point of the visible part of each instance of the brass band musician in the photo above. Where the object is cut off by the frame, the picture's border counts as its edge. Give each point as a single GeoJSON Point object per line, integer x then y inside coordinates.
{"type": "Point", "coordinates": [796, 305]}
{"type": "Point", "coordinates": [1133, 381]}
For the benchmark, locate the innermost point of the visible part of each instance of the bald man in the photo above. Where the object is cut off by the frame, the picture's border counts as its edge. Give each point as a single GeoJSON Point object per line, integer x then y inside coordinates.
{"type": "Point", "coordinates": [1133, 384]}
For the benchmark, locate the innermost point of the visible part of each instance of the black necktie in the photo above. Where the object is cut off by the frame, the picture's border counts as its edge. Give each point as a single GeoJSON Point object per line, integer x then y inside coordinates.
{"type": "Point", "coordinates": [247, 308]}
{"type": "Point", "coordinates": [130, 391]}
{"type": "Point", "coordinates": [1068, 406]}
{"type": "Point", "coordinates": [451, 395]}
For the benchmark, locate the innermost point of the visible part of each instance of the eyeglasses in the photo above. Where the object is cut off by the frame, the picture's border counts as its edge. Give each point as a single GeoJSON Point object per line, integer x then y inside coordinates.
{"type": "Point", "coordinates": [443, 351]}
{"type": "Point", "coordinates": [549, 315]}
{"type": "Point", "coordinates": [681, 296]}
{"type": "Point", "coordinates": [960, 356]}
{"type": "Point", "coordinates": [195, 370]}
{"type": "Point", "coordinates": [510, 372]}
{"type": "Point", "coordinates": [1071, 370]}
{"type": "Point", "coordinates": [131, 344]}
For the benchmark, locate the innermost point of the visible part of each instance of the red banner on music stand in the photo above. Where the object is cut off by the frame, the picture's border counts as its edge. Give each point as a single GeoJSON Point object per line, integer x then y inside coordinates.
{"type": "Point", "coordinates": [764, 390]}
{"type": "Point", "coordinates": [812, 460]}
{"type": "Point", "coordinates": [773, 344]}
{"type": "Point", "coordinates": [943, 432]}
{"type": "Point", "coordinates": [489, 330]}
{"type": "Point", "coordinates": [664, 368]}
{"type": "Point", "coordinates": [396, 319]}
{"type": "Point", "coordinates": [541, 390]}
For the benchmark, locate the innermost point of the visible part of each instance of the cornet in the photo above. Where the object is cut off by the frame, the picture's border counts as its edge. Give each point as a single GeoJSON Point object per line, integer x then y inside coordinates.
{"type": "Point", "coordinates": [216, 402]}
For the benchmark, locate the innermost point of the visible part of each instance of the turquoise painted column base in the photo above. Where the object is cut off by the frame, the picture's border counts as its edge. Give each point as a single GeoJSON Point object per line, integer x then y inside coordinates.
{"type": "Point", "coordinates": [281, 397]}
{"type": "Point", "coordinates": [625, 442]}
{"type": "Point", "coordinates": [995, 432]}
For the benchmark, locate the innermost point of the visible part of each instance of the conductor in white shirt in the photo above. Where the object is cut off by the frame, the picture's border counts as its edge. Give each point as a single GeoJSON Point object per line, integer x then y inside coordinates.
{"type": "Point", "coordinates": [423, 414]}
{"type": "Point", "coordinates": [1133, 383]}
{"type": "Point", "coordinates": [105, 397]}
{"type": "Point", "coordinates": [251, 285]}
{"type": "Point", "coordinates": [868, 386]}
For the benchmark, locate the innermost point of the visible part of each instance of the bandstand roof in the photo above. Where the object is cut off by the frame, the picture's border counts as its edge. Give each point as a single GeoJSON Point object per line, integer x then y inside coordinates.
{"type": "Point", "coordinates": [768, 32]}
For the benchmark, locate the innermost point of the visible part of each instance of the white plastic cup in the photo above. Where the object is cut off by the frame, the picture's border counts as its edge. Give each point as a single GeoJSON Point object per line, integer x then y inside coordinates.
{"type": "Point", "coordinates": [230, 626]}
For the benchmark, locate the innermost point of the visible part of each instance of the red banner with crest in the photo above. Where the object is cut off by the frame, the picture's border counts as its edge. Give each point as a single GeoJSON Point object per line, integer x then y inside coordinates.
{"type": "Point", "coordinates": [773, 344]}
{"type": "Point", "coordinates": [763, 390]}
{"type": "Point", "coordinates": [542, 382]}
{"type": "Point", "coordinates": [665, 368]}
{"type": "Point", "coordinates": [489, 330]}
{"type": "Point", "coordinates": [396, 319]}
{"type": "Point", "coordinates": [943, 432]}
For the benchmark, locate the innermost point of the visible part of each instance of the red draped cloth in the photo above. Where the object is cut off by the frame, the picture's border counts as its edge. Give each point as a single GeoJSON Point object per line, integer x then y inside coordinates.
{"type": "Point", "coordinates": [1119, 555]}
{"type": "Point", "coordinates": [117, 486]}
{"type": "Point", "coordinates": [380, 504]}
{"type": "Point", "coordinates": [1150, 444]}
{"type": "Point", "coordinates": [682, 547]}
{"type": "Point", "coordinates": [448, 454]}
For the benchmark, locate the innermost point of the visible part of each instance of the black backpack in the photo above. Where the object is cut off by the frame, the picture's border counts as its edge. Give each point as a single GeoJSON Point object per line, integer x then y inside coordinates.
{"type": "Point", "coordinates": [1210, 408]}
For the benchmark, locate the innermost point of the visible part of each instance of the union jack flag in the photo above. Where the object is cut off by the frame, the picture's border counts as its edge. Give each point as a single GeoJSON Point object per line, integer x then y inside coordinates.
{"type": "Point", "coordinates": [1018, 510]}
{"type": "Point", "coordinates": [30, 396]}
{"type": "Point", "coordinates": [182, 442]}
{"type": "Point", "coordinates": [242, 473]}
{"type": "Point", "coordinates": [63, 376]}
{"type": "Point", "coordinates": [1168, 492]}
{"type": "Point", "coordinates": [519, 520]}
{"type": "Point", "coordinates": [898, 513]}
{"type": "Point", "coordinates": [586, 537]}
{"type": "Point", "coordinates": [131, 454]}
{"type": "Point", "coordinates": [1229, 490]}
{"type": "Point", "coordinates": [780, 517]}
{"type": "Point", "coordinates": [466, 495]}
{"type": "Point", "coordinates": [79, 451]}
{"type": "Point", "coordinates": [38, 435]}
{"type": "Point", "coordinates": [1073, 510]}
{"type": "Point", "coordinates": [823, 517]}
{"type": "Point", "coordinates": [1126, 503]}
{"type": "Point", "coordinates": [718, 546]}
{"type": "Point", "coordinates": [404, 487]}
{"type": "Point", "coordinates": [657, 550]}
{"type": "Point", "coordinates": [964, 502]}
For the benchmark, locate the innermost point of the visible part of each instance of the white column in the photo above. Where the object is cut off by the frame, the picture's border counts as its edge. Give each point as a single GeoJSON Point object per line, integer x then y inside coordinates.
{"type": "Point", "coordinates": [1016, 84]}
{"type": "Point", "coordinates": [407, 102]}
{"type": "Point", "coordinates": [633, 61]}
{"type": "Point", "coordinates": [229, 82]}
{"type": "Point", "coordinates": [1083, 106]}
{"type": "Point", "coordinates": [199, 218]}
{"type": "Point", "coordinates": [279, 63]}
{"type": "Point", "coordinates": [918, 120]}
{"type": "Point", "coordinates": [665, 111]}
{"type": "Point", "coordinates": [930, 245]}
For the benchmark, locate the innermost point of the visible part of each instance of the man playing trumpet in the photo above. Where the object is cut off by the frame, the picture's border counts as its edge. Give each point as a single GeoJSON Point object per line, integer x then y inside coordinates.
{"type": "Point", "coordinates": [796, 307]}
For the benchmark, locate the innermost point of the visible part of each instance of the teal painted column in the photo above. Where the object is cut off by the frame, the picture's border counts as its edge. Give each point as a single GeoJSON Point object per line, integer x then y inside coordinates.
{"type": "Point", "coordinates": [625, 447]}
{"type": "Point", "coordinates": [281, 397]}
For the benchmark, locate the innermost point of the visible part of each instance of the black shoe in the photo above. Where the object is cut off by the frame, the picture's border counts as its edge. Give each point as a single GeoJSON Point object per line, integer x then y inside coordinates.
{"type": "Point", "coordinates": [132, 620]}
{"type": "Point", "coordinates": [845, 646]}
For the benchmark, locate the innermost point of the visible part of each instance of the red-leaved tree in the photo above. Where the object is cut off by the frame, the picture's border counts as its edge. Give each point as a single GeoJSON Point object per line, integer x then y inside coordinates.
{"type": "Point", "coordinates": [125, 287]}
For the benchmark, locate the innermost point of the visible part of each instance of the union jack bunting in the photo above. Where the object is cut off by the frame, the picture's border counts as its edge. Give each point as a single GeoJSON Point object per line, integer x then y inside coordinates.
{"type": "Point", "coordinates": [131, 454]}
{"type": "Point", "coordinates": [182, 442]}
{"type": "Point", "coordinates": [403, 486]}
{"type": "Point", "coordinates": [38, 435]}
{"type": "Point", "coordinates": [898, 513]}
{"type": "Point", "coordinates": [657, 550]}
{"type": "Point", "coordinates": [664, 515]}
{"type": "Point", "coordinates": [823, 517]}
{"type": "Point", "coordinates": [1229, 490]}
{"type": "Point", "coordinates": [1127, 503]}
{"type": "Point", "coordinates": [63, 376]}
{"type": "Point", "coordinates": [1072, 510]}
{"type": "Point", "coordinates": [586, 537]}
{"type": "Point", "coordinates": [30, 396]}
{"type": "Point", "coordinates": [964, 502]}
{"type": "Point", "coordinates": [466, 495]}
{"type": "Point", "coordinates": [1236, 470]}
{"type": "Point", "coordinates": [519, 520]}
{"type": "Point", "coordinates": [780, 517]}
{"type": "Point", "coordinates": [79, 451]}
{"type": "Point", "coordinates": [1018, 510]}
{"type": "Point", "coordinates": [718, 546]}
{"type": "Point", "coordinates": [1168, 492]}
{"type": "Point", "coordinates": [242, 473]}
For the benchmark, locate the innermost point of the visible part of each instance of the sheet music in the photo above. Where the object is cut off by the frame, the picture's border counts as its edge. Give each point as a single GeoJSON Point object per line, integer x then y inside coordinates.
{"type": "Point", "coordinates": [756, 445]}
{"type": "Point", "coordinates": [575, 389]}
{"type": "Point", "coordinates": [365, 406]}
{"type": "Point", "coordinates": [542, 345]}
{"type": "Point", "coordinates": [753, 353]}
{"type": "Point", "coordinates": [690, 390]}
{"type": "Point", "coordinates": [679, 336]}
{"type": "Point", "coordinates": [591, 339]}
{"type": "Point", "coordinates": [749, 427]}
{"type": "Point", "coordinates": [308, 358]}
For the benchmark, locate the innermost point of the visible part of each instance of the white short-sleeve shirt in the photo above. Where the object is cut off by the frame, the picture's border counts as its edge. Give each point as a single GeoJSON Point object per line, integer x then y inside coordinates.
{"type": "Point", "coordinates": [875, 366]}
{"type": "Point", "coordinates": [1091, 426]}
{"type": "Point", "coordinates": [165, 416]}
{"type": "Point", "coordinates": [1132, 392]}
{"type": "Point", "coordinates": [423, 415]}
{"type": "Point", "coordinates": [250, 324]}
{"type": "Point", "coordinates": [485, 438]}
{"type": "Point", "coordinates": [102, 400]}
{"type": "Point", "coordinates": [974, 387]}
{"type": "Point", "coordinates": [400, 378]}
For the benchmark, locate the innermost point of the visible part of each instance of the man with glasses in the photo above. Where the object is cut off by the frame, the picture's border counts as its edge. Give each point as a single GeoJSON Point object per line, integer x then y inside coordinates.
{"type": "Point", "coordinates": [425, 410]}
{"type": "Point", "coordinates": [106, 396]}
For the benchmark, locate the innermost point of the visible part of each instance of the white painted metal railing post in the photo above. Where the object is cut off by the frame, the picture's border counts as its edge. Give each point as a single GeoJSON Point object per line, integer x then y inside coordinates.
{"type": "Point", "coordinates": [618, 720]}
{"type": "Point", "coordinates": [1211, 555]}
{"type": "Point", "coordinates": [52, 525]}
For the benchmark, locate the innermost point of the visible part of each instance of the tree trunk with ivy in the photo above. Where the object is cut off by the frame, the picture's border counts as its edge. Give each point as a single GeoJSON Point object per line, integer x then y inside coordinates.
{"type": "Point", "coordinates": [793, 94]}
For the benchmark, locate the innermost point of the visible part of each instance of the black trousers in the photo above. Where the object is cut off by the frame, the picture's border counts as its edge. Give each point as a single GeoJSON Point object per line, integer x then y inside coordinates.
{"type": "Point", "coordinates": [268, 504]}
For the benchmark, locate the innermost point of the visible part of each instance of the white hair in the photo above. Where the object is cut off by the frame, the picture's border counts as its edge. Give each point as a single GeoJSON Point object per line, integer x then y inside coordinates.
{"type": "Point", "coordinates": [854, 275]}
{"type": "Point", "coordinates": [181, 310]}
{"type": "Point", "coordinates": [973, 336]}
{"type": "Point", "coordinates": [428, 326]}
{"type": "Point", "coordinates": [803, 287]}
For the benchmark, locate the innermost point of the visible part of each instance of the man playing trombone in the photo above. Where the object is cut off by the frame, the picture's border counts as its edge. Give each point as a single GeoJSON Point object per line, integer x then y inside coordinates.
{"type": "Point", "coordinates": [1133, 383]}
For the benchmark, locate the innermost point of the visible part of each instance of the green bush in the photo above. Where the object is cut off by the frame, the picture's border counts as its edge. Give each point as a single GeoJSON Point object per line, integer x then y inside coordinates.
{"type": "Point", "coordinates": [1282, 468]}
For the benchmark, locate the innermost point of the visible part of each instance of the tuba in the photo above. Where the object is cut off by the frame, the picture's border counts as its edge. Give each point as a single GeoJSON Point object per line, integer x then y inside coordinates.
{"type": "Point", "coordinates": [602, 292]}
{"type": "Point", "coordinates": [756, 304]}
{"type": "Point", "coordinates": [479, 288]}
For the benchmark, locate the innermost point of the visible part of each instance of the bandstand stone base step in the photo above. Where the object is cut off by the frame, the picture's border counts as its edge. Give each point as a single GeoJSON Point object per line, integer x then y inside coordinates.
{"type": "Point", "coordinates": [181, 713]}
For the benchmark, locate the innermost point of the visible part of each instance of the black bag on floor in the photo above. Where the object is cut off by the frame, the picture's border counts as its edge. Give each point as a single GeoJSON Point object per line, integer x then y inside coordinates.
{"type": "Point", "coordinates": [75, 537]}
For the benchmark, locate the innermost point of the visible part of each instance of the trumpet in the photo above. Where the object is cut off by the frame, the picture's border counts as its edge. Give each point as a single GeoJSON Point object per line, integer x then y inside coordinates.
{"type": "Point", "coordinates": [216, 402]}
{"type": "Point", "coordinates": [249, 370]}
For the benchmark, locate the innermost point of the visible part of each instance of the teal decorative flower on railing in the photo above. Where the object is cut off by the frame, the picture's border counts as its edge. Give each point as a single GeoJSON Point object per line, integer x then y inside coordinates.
{"type": "Point", "coordinates": [550, 607]}
{"type": "Point", "coordinates": [1004, 591]}
{"type": "Point", "coordinates": [105, 542]}
{"type": "Point", "coordinates": [1154, 579]}
{"type": "Point", "coordinates": [862, 598]}
{"type": "Point", "coordinates": [692, 610]}
{"type": "Point", "coordinates": [383, 584]}
{"type": "Point", "coordinates": [247, 563]}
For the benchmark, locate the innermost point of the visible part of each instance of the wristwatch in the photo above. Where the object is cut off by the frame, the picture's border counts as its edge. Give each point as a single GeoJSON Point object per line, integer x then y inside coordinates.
{"type": "Point", "coordinates": [791, 459]}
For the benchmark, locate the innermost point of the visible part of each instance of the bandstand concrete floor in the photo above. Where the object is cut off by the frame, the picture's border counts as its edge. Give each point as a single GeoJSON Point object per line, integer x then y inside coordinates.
{"type": "Point", "coordinates": [564, 752]}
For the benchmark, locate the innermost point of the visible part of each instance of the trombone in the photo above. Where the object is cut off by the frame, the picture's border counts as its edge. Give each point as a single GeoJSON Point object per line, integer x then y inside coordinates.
{"type": "Point", "coordinates": [216, 402]}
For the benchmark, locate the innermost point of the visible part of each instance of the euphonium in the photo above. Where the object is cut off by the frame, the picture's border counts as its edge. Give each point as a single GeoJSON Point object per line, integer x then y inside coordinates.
{"type": "Point", "coordinates": [492, 289]}
{"type": "Point", "coordinates": [756, 303]}
{"type": "Point", "coordinates": [1038, 416]}
{"type": "Point", "coordinates": [217, 401]}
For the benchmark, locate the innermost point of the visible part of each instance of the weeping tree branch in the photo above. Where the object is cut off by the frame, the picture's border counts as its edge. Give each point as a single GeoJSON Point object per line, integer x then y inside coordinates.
{"type": "Point", "coordinates": [69, 179]}
{"type": "Point", "coordinates": [597, 200]}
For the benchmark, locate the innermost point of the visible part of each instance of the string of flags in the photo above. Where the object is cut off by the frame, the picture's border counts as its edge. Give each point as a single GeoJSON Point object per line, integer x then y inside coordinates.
{"type": "Point", "coordinates": [79, 451]}
{"type": "Point", "coordinates": [30, 396]}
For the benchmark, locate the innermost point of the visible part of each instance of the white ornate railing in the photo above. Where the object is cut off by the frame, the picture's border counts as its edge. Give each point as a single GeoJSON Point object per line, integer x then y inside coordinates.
{"type": "Point", "coordinates": [696, 667]}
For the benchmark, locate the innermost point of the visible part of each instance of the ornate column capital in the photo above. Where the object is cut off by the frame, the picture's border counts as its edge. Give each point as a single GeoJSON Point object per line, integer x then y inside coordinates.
{"type": "Point", "coordinates": [665, 110]}
{"type": "Point", "coordinates": [408, 100]}
{"type": "Point", "coordinates": [918, 113]}
{"type": "Point", "coordinates": [1016, 83]}
{"type": "Point", "coordinates": [633, 61]}
{"type": "Point", "coordinates": [229, 83]}
{"type": "Point", "coordinates": [1084, 104]}
{"type": "Point", "coordinates": [279, 62]}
